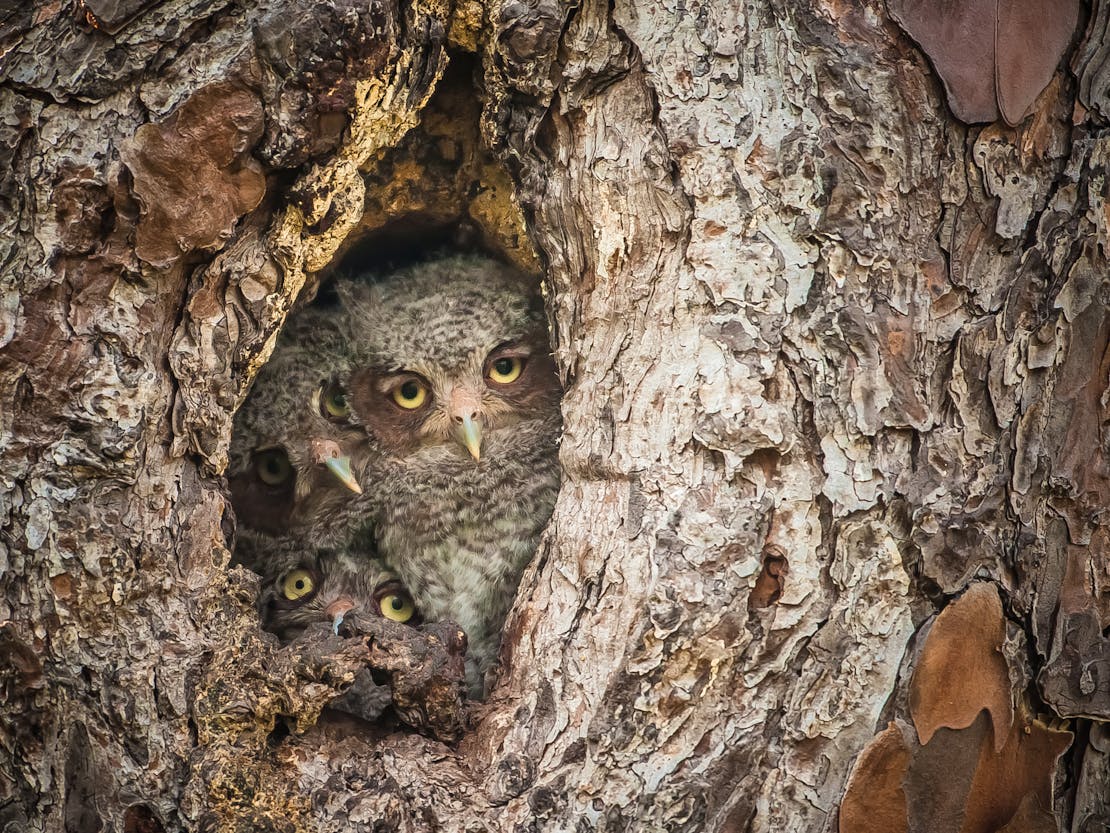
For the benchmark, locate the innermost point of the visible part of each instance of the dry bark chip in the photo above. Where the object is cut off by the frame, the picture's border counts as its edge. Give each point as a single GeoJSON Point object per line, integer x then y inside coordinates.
{"type": "Point", "coordinates": [994, 56]}
{"type": "Point", "coordinates": [1020, 774]}
{"type": "Point", "coordinates": [962, 670]}
{"type": "Point", "coordinates": [112, 15]}
{"type": "Point", "coordinates": [193, 175]}
{"type": "Point", "coordinates": [875, 799]}
{"type": "Point", "coordinates": [1076, 679]}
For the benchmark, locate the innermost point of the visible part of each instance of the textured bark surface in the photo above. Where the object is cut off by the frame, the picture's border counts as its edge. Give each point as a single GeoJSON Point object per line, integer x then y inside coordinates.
{"type": "Point", "coordinates": [835, 363]}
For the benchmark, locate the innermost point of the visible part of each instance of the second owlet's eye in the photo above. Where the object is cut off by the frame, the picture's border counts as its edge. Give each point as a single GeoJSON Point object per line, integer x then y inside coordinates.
{"type": "Point", "coordinates": [397, 606]}
{"type": "Point", "coordinates": [506, 370]}
{"type": "Point", "coordinates": [333, 402]}
{"type": "Point", "coordinates": [297, 584]}
{"type": "Point", "coordinates": [273, 467]}
{"type": "Point", "coordinates": [410, 395]}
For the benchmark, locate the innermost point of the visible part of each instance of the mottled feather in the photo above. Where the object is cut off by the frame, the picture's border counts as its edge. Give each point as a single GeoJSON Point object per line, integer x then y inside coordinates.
{"type": "Point", "coordinates": [283, 416]}
{"type": "Point", "coordinates": [458, 531]}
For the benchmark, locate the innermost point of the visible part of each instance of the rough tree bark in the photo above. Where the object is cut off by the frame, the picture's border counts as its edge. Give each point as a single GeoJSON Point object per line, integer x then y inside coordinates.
{"type": "Point", "coordinates": [836, 363]}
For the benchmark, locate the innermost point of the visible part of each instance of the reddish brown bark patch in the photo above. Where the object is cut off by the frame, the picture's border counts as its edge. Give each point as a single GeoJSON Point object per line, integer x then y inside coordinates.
{"type": "Point", "coordinates": [978, 767]}
{"type": "Point", "coordinates": [994, 56]}
{"type": "Point", "coordinates": [875, 799]}
{"type": "Point", "coordinates": [771, 580]}
{"type": "Point", "coordinates": [938, 780]}
{"type": "Point", "coordinates": [193, 174]}
{"type": "Point", "coordinates": [139, 818]}
{"type": "Point", "coordinates": [1019, 777]}
{"type": "Point", "coordinates": [962, 669]}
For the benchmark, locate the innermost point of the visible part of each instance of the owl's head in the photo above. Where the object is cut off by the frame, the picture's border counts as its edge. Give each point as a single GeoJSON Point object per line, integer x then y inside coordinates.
{"type": "Point", "coordinates": [449, 357]}
{"type": "Point", "coordinates": [291, 441]}
{"type": "Point", "coordinates": [326, 585]}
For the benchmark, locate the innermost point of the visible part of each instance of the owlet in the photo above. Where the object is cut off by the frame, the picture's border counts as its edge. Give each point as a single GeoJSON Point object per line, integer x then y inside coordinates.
{"type": "Point", "coordinates": [453, 382]}
{"type": "Point", "coordinates": [323, 586]}
{"type": "Point", "coordinates": [307, 587]}
{"type": "Point", "coordinates": [290, 472]}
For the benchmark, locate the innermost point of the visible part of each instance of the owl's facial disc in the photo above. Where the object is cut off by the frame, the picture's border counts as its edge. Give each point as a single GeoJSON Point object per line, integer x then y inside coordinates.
{"type": "Point", "coordinates": [458, 411]}
{"type": "Point", "coordinates": [326, 588]}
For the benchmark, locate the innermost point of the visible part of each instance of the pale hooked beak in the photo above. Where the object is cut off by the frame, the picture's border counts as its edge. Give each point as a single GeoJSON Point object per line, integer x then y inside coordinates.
{"type": "Point", "coordinates": [336, 611]}
{"type": "Point", "coordinates": [327, 452]}
{"type": "Point", "coordinates": [464, 407]}
{"type": "Point", "coordinates": [341, 468]}
{"type": "Point", "coordinates": [469, 433]}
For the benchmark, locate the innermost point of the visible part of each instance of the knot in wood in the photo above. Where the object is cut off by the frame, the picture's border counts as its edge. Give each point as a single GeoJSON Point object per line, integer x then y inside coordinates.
{"type": "Point", "coordinates": [513, 776]}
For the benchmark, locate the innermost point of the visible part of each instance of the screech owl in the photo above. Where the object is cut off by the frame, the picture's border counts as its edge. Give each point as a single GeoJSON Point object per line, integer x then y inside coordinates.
{"type": "Point", "coordinates": [305, 587]}
{"type": "Point", "coordinates": [289, 467]}
{"type": "Point", "coordinates": [309, 586]}
{"type": "Point", "coordinates": [453, 382]}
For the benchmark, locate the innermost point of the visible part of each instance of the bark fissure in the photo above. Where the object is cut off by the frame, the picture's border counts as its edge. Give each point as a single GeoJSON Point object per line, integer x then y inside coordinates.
{"type": "Point", "coordinates": [835, 363]}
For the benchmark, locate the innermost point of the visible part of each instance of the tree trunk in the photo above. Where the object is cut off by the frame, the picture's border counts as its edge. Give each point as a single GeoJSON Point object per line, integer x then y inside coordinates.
{"type": "Point", "coordinates": [831, 547]}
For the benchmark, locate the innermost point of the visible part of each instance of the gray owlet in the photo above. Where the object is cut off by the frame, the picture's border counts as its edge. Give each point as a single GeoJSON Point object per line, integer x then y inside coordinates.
{"type": "Point", "coordinates": [454, 384]}
{"type": "Point", "coordinates": [302, 589]}
{"type": "Point", "coordinates": [290, 472]}
{"type": "Point", "coordinates": [323, 586]}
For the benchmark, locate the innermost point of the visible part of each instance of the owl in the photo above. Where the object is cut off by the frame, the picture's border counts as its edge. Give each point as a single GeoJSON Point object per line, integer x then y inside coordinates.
{"type": "Point", "coordinates": [453, 382]}
{"type": "Point", "coordinates": [323, 586]}
{"type": "Point", "coordinates": [290, 472]}
{"type": "Point", "coordinates": [306, 587]}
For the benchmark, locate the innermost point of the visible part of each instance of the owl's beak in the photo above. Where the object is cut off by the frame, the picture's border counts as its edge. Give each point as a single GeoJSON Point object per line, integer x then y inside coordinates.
{"type": "Point", "coordinates": [341, 468]}
{"type": "Point", "coordinates": [336, 611]}
{"type": "Point", "coordinates": [327, 452]}
{"type": "Point", "coordinates": [464, 406]}
{"type": "Point", "coordinates": [469, 433]}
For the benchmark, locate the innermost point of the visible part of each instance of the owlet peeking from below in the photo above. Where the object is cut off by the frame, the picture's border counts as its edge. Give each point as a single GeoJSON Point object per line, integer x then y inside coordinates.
{"type": "Point", "coordinates": [323, 586]}
{"type": "Point", "coordinates": [306, 587]}
{"type": "Point", "coordinates": [290, 472]}
{"type": "Point", "coordinates": [453, 383]}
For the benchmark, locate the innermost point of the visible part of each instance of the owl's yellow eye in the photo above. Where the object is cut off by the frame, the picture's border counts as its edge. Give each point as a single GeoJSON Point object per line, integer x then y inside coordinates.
{"type": "Point", "coordinates": [273, 467]}
{"type": "Point", "coordinates": [297, 584]}
{"type": "Point", "coordinates": [506, 369]}
{"type": "Point", "coordinates": [397, 606]}
{"type": "Point", "coordinates": [333, 400]}
{"type": "Point", "coordinates": [410, 395]}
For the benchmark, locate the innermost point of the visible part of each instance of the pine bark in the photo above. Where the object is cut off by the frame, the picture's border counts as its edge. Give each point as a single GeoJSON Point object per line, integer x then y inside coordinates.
{"type": "Point", "coordinates": [836, 415]}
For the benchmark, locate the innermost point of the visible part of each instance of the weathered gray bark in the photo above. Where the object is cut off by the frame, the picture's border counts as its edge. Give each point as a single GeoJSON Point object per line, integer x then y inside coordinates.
{"type": "Point", "coordinates": [832, 358]}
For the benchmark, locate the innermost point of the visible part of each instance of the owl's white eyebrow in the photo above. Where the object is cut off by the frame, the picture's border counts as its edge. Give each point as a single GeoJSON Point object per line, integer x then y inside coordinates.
{"type": "Point", "coordinates": [512, 348]}
{"type": "Point", "coordinates": [388, 382]}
